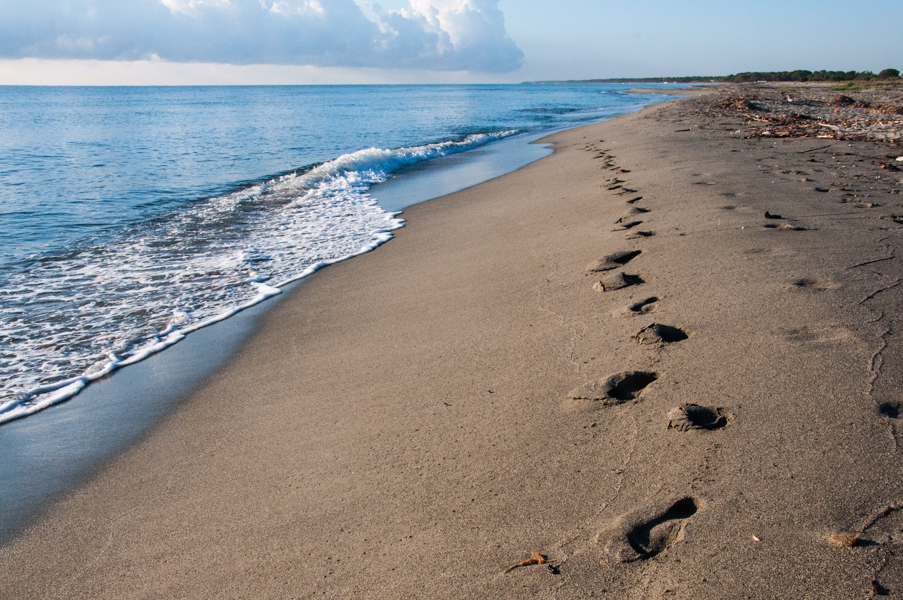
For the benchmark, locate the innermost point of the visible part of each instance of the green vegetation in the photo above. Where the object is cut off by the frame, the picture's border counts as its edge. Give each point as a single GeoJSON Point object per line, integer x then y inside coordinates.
{"type": "Point", "coordinates": [850, 86]}
{"type": "Point", "coordinates": [887, 75]}
{"type": "Point", "coordinates": [640, 80]}
{"type": "Point", "coordinates": [812, 76]}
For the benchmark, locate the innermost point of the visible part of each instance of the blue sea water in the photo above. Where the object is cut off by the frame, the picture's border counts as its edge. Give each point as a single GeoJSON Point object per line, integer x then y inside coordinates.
{"type": "Point", "coordinates": [130, 217]}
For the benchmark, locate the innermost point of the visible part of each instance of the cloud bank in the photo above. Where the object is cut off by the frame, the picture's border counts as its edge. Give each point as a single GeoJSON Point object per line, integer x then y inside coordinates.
{"type": "Point", "coordinates": [441, 35]}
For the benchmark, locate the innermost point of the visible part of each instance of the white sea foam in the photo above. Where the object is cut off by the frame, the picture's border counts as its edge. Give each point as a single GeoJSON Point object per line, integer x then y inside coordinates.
{"type": "Point", "coordinates": [97, 308]}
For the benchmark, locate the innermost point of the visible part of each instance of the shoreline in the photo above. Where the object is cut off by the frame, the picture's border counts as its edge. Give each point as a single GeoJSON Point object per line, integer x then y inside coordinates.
{"type": "Point", "coordinates": [460, 175]}
{"type": "Point", "coordinates": [414, 421]}
{"type": "Point", "coordinates": [31, 387]}
{"type": "Point", "coordinates": [103, 420]}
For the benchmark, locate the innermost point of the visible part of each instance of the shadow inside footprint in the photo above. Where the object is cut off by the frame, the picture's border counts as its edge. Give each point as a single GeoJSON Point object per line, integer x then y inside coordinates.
{"type": "Point", "coordinates": [645, 306]}
{"type": "Point", "coordinates": [878, 589]}
{"type": "Point", "coordinates": [628, 224]}
{"type": "Point", "coordinates": [890, 409]}
{"type": "Point", "coordinates": [816, 284]}
{"type": "Point", "coordinates": [613, 261]}
{"type": "Point", "coordinates": [692, 416]}
{"type": "Point", "coordinates": [617, 389]}
{"type": "Point", "coordinates": [616, 281]}
{"type": "Point", "coordinates": [660, 334]}
{"type": "Point", "coordinates": [648, 531]}
{"type": "Point", "coordinates": [651, 538]}
{"type": "Point", "coordinates": [627, 386]}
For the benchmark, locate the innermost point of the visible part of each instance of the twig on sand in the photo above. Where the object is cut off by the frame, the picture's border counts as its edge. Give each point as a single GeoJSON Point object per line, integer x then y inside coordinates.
{"type": "Point", "coordinates": [538, 559]}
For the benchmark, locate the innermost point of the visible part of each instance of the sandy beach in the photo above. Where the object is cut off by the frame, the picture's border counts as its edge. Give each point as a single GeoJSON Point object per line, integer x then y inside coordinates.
{"type": "Point", "coordinates": [666, 358]}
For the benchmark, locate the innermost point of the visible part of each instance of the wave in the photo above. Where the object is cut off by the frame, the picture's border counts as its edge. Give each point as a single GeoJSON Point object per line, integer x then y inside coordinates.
{"type": "Point", "coordinates": [102, 306]}
{"type": "Point", "coordinates": [561, 110]}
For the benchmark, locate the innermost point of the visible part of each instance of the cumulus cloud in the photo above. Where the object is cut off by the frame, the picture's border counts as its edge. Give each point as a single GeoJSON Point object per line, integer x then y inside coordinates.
{"type": "Point", "coordinates": [444, 35]}
{"type": "Point", "coordinates": [190, 6]}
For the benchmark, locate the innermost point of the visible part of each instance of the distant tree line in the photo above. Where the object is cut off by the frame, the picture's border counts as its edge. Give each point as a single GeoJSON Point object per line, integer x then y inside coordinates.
{"type": "Point", "coordinates": [802, 75]}
{"type": "Point", "coordinates": [641, 80]}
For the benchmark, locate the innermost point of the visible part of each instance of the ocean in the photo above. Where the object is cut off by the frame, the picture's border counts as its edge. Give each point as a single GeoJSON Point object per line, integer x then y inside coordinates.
{"type": "Point", "coordinates": [131, 217]}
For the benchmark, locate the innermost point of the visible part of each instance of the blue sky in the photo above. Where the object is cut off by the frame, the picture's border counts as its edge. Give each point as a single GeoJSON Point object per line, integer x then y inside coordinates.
{"type": "Point", "coordinates": [400, 41]}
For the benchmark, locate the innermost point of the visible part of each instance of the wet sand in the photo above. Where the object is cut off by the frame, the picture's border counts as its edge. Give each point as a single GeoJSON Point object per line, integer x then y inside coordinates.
{"type": "Point", "coordinates": [412, 422]}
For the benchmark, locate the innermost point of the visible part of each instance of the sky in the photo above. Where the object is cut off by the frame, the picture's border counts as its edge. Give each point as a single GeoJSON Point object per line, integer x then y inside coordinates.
{"type": "Point", "coordinates": [182, 42]}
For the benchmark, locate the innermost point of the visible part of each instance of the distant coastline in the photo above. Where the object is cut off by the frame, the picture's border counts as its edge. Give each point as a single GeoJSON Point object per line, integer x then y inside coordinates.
{"type": "Point", "coordinates": [714, 79]}
{"type": "Point", "coordinates": [888, 75]}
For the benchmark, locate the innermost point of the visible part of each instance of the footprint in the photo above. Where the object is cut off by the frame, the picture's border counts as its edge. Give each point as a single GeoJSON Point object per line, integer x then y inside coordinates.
{"type": "Point", "coordinates": [635, 200]}
{"type": "Point", "coordinates": [625, 224]}
{"type": "Point", "coordinates": [660, 334]}
{"type": "Point", "coordinates": [637, 210]}
{"type": "Point", "coordinates": [636, 235]}
{"type": "Point", "coordinates": [878, 589]}
{"type": "Point", "coordinates": [884, 526]}
{"type": "Point", "coordinates": [613, 261]}
{"type": "Point", "coordinates": [816, 284]}
{"type": "Point", "coordinates": [649, 531]}
{"type": "Point", "coordinates": [615, 390]}
{"type": "Point", "coordinates": [785, 227]}
{"type": "Point", "coordinates": [692, 416]}
{"type": "Point", "coordinates": [802, 335]}
{"type": "Point", "coordinates": [891, 410]}
{"type": "Point", "coordinates": [817, 335]}
{"type": "Point", "coordinates": [616, 281]}
{"type": "Point", "coordinates": [644, 306]}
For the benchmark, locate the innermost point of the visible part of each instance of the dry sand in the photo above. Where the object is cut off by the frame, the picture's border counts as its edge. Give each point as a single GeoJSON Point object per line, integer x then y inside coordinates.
{"type": "Point", "coordinates": [412, 422]}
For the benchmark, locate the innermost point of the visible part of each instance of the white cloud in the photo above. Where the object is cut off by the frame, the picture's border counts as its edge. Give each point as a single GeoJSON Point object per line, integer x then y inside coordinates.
{"type": "Point", "coordinates": [444, 35]}
{"type": "Point", "coordinates": [82, 44]}
{"type": "Point", "coordinates": [307, 7]}
{"type": "Point", "coordinates": [469, 24]}
{"type": "Point", "coordinates": [190, 7]}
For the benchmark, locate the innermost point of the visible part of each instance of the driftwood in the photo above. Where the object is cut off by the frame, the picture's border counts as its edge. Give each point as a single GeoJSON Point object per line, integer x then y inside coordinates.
{"type": "Point", "coordinates": [770, 113]}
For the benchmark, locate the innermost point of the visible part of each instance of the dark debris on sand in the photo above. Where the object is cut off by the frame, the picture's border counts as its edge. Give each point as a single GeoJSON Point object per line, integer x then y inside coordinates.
{"type": "Point", "coordinates": [774, 112]}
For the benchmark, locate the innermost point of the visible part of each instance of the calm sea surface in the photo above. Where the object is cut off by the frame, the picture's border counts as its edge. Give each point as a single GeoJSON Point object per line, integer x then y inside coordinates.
{"type": "Point", "coordinates": [130, 217]}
